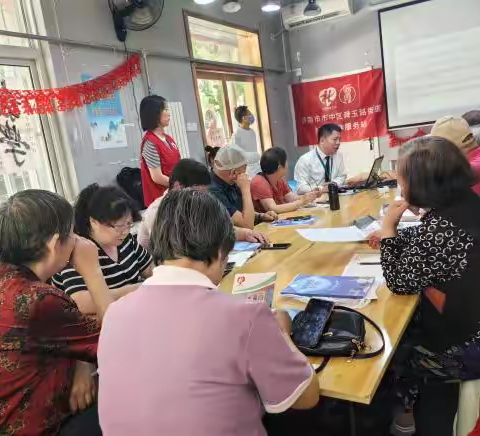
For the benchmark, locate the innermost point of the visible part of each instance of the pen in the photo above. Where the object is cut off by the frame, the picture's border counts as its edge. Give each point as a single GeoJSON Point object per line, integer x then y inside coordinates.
{"type": "Point", "coordinates": [369, 263]}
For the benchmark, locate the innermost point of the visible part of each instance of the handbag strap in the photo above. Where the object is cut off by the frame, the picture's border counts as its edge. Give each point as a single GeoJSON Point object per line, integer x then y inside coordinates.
{"type": "Point", "coordinates": [363, 355]}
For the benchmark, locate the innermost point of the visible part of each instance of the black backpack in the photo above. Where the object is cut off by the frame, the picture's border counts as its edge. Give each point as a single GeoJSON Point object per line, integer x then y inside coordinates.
{"type": "Point", "coordinates": [130, 180]}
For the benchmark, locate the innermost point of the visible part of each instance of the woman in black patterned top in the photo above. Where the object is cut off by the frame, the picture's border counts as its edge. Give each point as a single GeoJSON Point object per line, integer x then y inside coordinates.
{"type": "Point", "coordinates": [440, 260]}
{"type": "Point", "coordinates": [105, 215]}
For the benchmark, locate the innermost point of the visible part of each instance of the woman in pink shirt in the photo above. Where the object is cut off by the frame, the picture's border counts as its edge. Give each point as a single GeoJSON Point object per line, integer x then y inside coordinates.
{"type": "Point", "coordinates": [198, 361]}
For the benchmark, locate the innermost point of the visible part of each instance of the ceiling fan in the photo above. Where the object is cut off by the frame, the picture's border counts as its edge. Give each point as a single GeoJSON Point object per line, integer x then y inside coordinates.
{"type": "Point", "coordinates": [134, 15]}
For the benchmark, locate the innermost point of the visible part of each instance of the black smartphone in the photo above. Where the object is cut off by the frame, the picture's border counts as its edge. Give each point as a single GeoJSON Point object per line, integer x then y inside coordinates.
{"type": "Point", "coordinates": [308, 326]}
{"type": "Point", "coordinates": [277, 246]}
{"type": "Point", "coordinates": [298, 218]}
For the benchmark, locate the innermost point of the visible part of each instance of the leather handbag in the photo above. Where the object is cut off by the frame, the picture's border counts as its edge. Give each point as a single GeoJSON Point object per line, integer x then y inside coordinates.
{"type": "Point", "coordinates": [343, 335]}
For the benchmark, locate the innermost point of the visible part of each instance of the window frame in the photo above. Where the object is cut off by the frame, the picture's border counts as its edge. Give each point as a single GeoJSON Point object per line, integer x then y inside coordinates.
{"type": "Point", "coordinates": [36, 56]}
{"type": "Point", "coordinates": [201, 67]}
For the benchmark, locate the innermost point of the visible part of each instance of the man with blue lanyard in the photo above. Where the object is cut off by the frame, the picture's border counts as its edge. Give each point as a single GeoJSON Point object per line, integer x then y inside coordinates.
{"type": "Point", "coordinates": [323, 165]}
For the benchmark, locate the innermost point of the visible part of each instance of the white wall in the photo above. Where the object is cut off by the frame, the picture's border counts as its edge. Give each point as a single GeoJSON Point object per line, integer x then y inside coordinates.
{"type": "Point", "coordinates": [90, 20]}
{"type": "Point", "coordinates": [340, 46]}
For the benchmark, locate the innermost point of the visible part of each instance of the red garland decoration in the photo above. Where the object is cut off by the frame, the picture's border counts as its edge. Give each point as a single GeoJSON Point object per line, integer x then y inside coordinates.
{"type": "Point", "coordinates": [397, 141]}
{"type": "Point", "coordinates": [46, 101]}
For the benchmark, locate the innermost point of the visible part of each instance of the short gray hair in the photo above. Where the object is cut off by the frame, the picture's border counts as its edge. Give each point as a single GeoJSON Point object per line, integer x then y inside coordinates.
{"type": "Point", "coordinates": [191, 224]}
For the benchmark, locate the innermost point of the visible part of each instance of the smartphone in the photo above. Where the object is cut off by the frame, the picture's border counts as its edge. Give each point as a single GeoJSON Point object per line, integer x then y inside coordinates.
{"type": "Point", "coordinates": [363, 222]}
{"type": "Point", "coordinates": [298, 218]}
{"type": "Point", "coordinates": [308, 326]}
{"type": "Point", "coordinates": [277, 246]}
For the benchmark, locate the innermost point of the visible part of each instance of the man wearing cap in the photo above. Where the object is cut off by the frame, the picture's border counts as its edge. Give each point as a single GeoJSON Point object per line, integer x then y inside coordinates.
{"type": "Point", "coordinates": [457, 131]}
{"type": "Point", "coordinates": [231, 185]}
{"type": "Point", "coordinates": [473, 120]}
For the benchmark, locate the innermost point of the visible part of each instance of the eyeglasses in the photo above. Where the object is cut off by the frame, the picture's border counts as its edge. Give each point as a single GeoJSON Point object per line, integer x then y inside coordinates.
{"type": "Point", "coordinates": [122, 227]}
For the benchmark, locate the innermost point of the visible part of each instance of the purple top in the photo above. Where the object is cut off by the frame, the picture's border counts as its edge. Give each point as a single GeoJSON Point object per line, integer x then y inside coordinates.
{"type": "Point", "coordinates": [178, 357]}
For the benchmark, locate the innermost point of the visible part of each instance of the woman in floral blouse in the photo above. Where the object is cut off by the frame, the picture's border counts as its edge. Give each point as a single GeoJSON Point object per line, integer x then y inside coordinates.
{"type": "Point", "coordinates": [439, 260]}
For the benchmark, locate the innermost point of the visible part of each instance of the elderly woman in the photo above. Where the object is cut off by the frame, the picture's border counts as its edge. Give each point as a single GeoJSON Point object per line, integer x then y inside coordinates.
{"type": "Point", "coordinates": [42, 332]}
{"type": "Point", "coordinates": [439, 260]}
{"type": "Point", "coordinates": [198, 361]}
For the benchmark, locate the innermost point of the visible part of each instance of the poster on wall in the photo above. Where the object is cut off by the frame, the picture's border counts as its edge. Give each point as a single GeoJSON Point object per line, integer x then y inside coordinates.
{"type": "Point", "coordinates": [355, 102]}
{"type": "Point", "coordinates": [106, 121]}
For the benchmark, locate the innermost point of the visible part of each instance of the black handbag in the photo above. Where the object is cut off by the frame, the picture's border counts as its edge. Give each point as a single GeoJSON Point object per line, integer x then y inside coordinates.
{"type": "Point", "coordinates": [342, 336]}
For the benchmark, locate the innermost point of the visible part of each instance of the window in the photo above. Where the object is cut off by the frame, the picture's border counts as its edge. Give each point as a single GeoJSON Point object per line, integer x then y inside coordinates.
{"type": "Point", "coordinates": [212, 41]}
{"type": "Point", "coordinates": [28, 155]}
{"type": "Point", "coordinates": [220, 90]}
{"type": "Point", "coordinates": [13, 18]}
{"type": "Point", "coordinates": [24, 161]}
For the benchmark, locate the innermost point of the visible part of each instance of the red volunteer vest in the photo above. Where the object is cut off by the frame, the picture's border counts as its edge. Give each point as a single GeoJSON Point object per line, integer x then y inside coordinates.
{"type": "Point", "coordinates": [169, 157]}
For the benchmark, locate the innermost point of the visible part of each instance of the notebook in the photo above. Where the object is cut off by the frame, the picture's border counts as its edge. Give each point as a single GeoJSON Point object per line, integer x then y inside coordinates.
{"type": "Point", "coordinates": [308, 286]}
{"type": "Point", "coordinates": [256, 288]}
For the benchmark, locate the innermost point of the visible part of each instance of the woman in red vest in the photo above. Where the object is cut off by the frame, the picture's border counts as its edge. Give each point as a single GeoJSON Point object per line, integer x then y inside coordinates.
{"type": "Point", "coordinates": [159, 152]}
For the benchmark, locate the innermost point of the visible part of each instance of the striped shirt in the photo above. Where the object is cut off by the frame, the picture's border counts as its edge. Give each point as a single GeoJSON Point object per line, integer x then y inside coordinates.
{"type": "Point", "coordinates": [150, 154]}
{"type": "Point", "coordinates": [132, 260]}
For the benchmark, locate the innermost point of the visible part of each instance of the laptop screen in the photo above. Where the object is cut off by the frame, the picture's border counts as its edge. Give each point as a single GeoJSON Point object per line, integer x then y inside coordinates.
{"type": "Point", "coordinates": [377, 165]}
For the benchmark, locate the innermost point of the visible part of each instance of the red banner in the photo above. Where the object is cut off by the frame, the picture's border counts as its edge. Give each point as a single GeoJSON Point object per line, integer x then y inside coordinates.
{"type": "Point", "coordinates": [355, 102]}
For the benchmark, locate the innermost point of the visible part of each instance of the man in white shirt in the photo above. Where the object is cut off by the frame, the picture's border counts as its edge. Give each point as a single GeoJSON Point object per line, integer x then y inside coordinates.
{"type": "Point", "coordinates": [246, 138]}
{"type": "Point", "coordinates": [323, 165]}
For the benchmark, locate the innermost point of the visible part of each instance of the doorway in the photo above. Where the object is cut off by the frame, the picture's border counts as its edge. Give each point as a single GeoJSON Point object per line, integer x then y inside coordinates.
{"type": "Point", "coordinates": [220, 93]}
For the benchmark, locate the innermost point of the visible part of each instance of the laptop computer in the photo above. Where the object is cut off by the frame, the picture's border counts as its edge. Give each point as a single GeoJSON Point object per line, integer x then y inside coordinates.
{"type": "Point", "coordinates": [373, 177]}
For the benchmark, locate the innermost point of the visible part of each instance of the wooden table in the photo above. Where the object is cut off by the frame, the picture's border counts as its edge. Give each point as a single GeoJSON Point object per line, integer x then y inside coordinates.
{"type": "Point", "coordinates": [355, 380]}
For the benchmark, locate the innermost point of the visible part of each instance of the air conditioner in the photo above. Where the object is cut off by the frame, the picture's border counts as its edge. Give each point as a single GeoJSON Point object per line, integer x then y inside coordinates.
{"type": "Point", "coordinates": [293, 17]}
{"type": "Point", "coordinates": [381, 4]}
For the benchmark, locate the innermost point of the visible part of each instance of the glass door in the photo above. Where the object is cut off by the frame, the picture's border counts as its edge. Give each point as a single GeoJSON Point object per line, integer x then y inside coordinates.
{"type": "Point", "coordinates": [220, 94]}
{"type": "Point", "coordinates": [216, 121]}
{"type": "Point", "coordinates": [24, 160]}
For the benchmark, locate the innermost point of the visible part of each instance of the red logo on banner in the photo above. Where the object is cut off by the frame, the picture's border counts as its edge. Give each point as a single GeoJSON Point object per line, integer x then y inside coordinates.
{"type": "Point", "coordinates": [327, 96]}
{"type": "Point", "coordinates": [348, 94]}
{"type": "Point", "coordinates": [354, 102]}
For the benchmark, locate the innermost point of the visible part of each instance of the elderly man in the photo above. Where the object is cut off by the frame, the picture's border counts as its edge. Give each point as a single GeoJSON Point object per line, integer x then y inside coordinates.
{"type": "Point", "coordinates": [457, 131]}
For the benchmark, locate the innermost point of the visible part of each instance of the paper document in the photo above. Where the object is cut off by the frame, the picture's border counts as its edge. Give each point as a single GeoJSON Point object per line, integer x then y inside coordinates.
{"type": "Point", "coordinates": [246, 246]}
{"type": "Point", "coordinates": [240, 258]}
{"type": "Point", "coordinates": [336, 234]}
{"type": "Point", "coordinates": [364, 265]}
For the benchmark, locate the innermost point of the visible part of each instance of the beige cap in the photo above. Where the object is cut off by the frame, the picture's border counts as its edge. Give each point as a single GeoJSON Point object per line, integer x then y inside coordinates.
{"type": "Point", "coordinates": [232, 156]}
{"type": "Point", "coordinates": [455, 130]}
